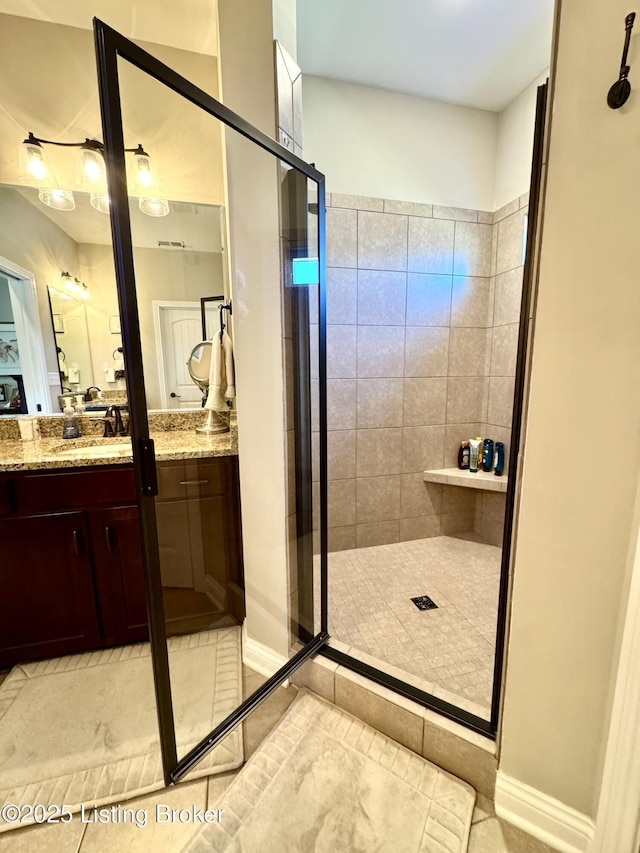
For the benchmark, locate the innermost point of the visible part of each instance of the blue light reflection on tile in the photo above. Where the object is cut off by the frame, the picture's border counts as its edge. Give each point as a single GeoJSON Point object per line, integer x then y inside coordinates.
{"type": "Point", "coordinates": [306, 271]}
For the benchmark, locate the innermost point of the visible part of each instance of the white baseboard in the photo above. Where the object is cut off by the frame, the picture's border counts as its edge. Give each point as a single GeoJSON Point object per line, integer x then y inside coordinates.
{"type": "Point", "coordinates": [259, 657]}
{"type": "Point", "coordinates": [543, 817]}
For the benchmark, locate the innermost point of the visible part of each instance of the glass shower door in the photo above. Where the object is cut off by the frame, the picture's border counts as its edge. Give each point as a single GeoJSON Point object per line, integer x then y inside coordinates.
{"type": "Point", "coordinates": [203, 600]}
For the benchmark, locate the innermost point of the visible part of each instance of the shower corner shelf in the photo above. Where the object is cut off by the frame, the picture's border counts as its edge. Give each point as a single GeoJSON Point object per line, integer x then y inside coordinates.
{"type": "Point", "coordinates": [455, 477]}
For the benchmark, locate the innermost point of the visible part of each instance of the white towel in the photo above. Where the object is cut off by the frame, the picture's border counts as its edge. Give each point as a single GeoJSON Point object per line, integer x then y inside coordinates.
{"type": "Point", "coordinates": [227, 346]}
{"type": "Point", "coordinates": [221, 378]}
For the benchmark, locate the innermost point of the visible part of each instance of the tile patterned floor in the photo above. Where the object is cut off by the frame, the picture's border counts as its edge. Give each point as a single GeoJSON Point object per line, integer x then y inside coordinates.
{"type": "Point", "coordinates": [488, 833]}
{"type": "Point", "coordinates": [450, 649]}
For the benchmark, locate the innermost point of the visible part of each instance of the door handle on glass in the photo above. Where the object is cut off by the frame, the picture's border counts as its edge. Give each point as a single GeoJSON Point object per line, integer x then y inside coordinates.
{"type": "Point", "coordinates": [78, 542]}
{"type": "Point", "coordinates": [110, 537]}
{"type": "Point", "coordinates": [193, 482]}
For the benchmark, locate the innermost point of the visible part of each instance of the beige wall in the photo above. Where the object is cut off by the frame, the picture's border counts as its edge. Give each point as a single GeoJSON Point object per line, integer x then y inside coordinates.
{"type": "Point", "coordinates": [246, 52]}
{"type": "Point", "coordinates": [582, 454]}
{"type": "Point", "coordinates": [161, 275]}
{"type": "Point", "coordinates": [376, 143]}
{"type": "Point", "coordinates": [514, 145]}
{"type": "Point", "coordinates": [33, 242]}
{"type": "Point", "coordinates": [51, 89]}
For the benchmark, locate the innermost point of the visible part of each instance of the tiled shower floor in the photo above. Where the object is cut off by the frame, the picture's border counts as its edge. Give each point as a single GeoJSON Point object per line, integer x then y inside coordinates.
{"type": "Point", "coordinates": [448, 651]}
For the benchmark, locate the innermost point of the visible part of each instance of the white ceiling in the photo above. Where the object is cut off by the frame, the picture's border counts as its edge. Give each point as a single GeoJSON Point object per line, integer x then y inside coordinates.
{"type": "Point", "coordinates": [467, 52]}
{"type": "Point", "coordinates": [190, 25]}
{"type": "Point", "coordinates": [195, 225]}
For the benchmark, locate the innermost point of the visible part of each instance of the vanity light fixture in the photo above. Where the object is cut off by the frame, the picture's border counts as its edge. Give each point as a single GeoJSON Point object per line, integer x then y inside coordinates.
{"type": "Point", "coordinates": [35, 169]}
{"type": "Point", "coordinates": [74, 288]}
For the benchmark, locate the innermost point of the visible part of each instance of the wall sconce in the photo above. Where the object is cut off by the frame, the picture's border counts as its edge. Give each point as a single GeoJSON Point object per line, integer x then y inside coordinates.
{"type": "Point", "coordinates": [73, 288]}
{"type": "Point", "coordinates": [34, 169]}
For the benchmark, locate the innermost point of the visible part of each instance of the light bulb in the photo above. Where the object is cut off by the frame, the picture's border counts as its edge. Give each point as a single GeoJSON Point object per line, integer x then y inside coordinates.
{"type": "Point", "coordinates": [80, 290]}
{"type": "Point", "coordinates": [36, 166]}
{"type": "Point", "coordinates": [144, 173]}
{"type": "Point", "coordinates": [67, 283]}
{"type": "Point", "coordinates": [33, 166]}
{"type": "Point", "coordinates": [91, 168]}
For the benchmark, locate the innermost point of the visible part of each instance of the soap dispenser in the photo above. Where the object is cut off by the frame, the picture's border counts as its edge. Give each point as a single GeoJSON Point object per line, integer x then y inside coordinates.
{"type": "Point", "coordinates": [71, 428]}
{"type": "Point", "coordinates": [80, 407]}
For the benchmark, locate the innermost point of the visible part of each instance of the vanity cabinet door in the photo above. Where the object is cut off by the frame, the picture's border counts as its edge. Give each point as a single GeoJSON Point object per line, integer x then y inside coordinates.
{"type": "Point", "coordinates": [51, 608]}
{"type": "Point", "coordinates": [119, 573]}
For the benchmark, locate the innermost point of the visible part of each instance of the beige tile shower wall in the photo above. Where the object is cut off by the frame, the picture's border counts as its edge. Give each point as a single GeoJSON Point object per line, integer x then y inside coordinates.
{"type": "Point", "coordinates": [409, 313]}
{"type": "Point", "coordinates": [506, 284]}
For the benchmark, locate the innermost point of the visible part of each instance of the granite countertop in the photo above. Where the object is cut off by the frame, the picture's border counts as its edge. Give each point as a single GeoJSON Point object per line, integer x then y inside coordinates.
{"type": "Point", "coordinates": [46, 453]}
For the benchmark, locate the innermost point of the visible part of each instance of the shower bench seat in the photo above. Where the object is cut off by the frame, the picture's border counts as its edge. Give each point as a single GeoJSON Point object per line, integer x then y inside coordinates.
{"type": "Point", "coordinates": [455, 477]}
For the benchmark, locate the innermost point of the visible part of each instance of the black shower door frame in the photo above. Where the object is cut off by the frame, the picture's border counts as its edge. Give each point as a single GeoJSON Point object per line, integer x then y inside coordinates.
{"type": "Point", "coordinates": [110, 46]}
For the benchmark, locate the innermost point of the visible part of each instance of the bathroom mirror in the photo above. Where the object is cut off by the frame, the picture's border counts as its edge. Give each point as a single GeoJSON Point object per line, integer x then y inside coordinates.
{"type": "Point", "coordinates": [199, 365]}
{"type": "Point", "coordinates": [71, 335]}
{"type": "Point", "coordinates": [177, 255]}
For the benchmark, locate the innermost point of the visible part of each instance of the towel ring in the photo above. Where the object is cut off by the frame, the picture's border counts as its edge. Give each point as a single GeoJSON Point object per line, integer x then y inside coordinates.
{"type": "Point", "coordinates": [61, 352]}
{"type": "Point", "coordinates": [113, 354]}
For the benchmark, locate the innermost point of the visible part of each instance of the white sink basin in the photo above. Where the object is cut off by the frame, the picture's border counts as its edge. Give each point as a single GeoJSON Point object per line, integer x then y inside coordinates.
{"type": "Point", "coordinates": [95, 449]}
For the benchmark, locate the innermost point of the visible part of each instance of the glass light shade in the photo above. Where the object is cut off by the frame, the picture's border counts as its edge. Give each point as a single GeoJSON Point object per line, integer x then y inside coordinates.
{"type": "Point", "coordinates": [57, 199]}
{"type": "Point", "coordinates": [33, 164]}
{"type": "Point", "coordinates": [154, 206]}
{"type": "Point", "coordinates": [82, 291]}
{"type": "Point", "coordinates": [68, 284]}
{"type": "Point", "coordinates": [100, 201]}
{"type": "Point", "coordinates": [144, 177]}
{"type": "Point", "coordinates": [91, 167]}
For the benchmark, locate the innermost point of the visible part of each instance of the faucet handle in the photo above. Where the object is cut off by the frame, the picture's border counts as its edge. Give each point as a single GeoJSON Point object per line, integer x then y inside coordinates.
{"type": "Point", "coordinates": [108, 426]}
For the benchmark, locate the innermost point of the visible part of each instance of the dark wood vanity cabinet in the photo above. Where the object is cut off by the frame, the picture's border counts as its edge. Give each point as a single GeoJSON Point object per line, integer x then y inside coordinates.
{"type": "Point", "coordinates": [47, 606]}
{"type": "Point", "coordinates": [72, 574]}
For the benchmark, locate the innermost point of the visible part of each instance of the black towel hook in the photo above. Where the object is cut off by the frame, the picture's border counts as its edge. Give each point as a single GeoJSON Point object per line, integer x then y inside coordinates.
{"type": "Point", "coordinates": [619, 93]}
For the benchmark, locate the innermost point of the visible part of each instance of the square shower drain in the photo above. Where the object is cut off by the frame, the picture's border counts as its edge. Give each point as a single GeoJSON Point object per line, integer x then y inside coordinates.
{"type": "Point", "coordinates": [423, 602]}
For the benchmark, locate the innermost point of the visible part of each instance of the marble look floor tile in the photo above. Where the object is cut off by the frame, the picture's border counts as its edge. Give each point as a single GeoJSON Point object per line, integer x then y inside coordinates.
{"type": "Point", "coordinates": [159, 833]}
{"type": "Point", "coordinates": [484, 808]}
{"type": "Point", "coordinates": [496, 836]}
{"type": "Point", "coordinates": [60, 837]}
{"type": "Point", "coordinates": [370, 591]}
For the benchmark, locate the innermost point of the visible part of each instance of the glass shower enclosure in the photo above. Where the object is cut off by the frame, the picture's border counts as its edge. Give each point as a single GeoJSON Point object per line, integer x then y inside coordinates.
{"type": "Point", "coordinates": [280, 244]}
